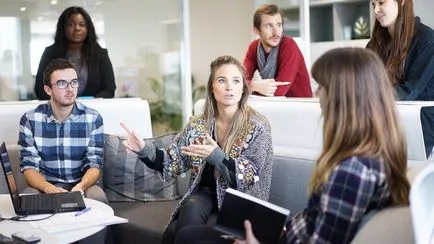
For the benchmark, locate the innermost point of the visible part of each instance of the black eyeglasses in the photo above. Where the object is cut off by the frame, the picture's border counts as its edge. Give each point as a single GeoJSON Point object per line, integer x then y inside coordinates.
{"type": "Point", "coordinates": [63, 84]}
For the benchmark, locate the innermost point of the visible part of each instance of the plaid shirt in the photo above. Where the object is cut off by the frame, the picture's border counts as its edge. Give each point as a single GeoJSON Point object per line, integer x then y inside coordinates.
{"type": "Point", "coordinates": [355, 187]}
{"type": "Point", "coordinates": [61, 151]}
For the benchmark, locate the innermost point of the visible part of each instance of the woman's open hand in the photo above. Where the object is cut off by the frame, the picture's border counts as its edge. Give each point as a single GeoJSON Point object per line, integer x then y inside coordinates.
{"type": "Point", "coordinates": [200, 150]}
{"type": "Point", "coordinates": [133, 142]}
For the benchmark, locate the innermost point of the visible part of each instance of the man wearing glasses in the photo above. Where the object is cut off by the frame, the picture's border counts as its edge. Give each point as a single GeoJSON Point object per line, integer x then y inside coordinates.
{"type": "Point", "coordinates": [61, 141]}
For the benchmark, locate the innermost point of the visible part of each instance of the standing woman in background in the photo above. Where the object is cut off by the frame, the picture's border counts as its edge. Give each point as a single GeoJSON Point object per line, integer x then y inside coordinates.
{"type": "Point", "coordinates": [406, 47]}
{"type": "Point", "coordinates": [76, 41]}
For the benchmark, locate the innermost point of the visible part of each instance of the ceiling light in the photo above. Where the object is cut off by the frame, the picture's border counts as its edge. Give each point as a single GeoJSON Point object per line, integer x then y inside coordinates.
{"type": "Point", "coordinates": [53, 2]}
{"type": "Point", "coordinates": [22, 9]}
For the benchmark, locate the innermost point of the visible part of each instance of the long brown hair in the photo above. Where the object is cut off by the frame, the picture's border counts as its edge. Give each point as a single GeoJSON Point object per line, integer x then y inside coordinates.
{"type": "Point", "coordinates": [240, 121]}
{"type": "Point", "coordinates": [360, 118]}
{"type": "Point", "coordinates": [393, 49]}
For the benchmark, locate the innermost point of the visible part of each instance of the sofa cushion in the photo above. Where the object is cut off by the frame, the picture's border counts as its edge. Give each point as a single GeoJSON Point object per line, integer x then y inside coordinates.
{"type": "Point", "coordinates": [290, 181]}
{"type": "Point", "coordinates": [148, 221]}
{"type": "Point", "coordinates": [389, 226]}
{"type": "Point", "coordinates": [127, 178]}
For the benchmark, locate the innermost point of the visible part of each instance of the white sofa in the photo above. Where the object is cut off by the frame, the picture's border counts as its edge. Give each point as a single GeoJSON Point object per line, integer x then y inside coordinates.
{"type": "Point", "coordinates": [296, 126]}
{"type": "Point", "coordinates": [133, 111]}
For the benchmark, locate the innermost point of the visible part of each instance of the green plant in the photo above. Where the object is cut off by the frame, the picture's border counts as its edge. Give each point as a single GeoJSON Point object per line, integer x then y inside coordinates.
{"type": "Point", "coordinates": [156, 87]}
{"type": "Point", "coordinates": [199, 93]}
{"type": "Point", "coordinates": [162, 122]}
{"type": "Point", "coordinates": [361, 28]}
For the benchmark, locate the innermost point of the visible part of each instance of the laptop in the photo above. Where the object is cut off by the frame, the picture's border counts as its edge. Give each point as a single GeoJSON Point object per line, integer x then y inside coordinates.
{"type": "Point", "coordinates": [38, 203]}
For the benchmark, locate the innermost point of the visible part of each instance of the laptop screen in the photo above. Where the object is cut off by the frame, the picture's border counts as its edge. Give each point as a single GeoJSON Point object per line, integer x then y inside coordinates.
{"type": "Point", "coordinates": [9, 176]}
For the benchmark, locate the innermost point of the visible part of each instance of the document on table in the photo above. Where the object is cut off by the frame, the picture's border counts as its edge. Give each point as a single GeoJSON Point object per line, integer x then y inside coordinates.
{"type": "Point", "coordinates": [69, 221]}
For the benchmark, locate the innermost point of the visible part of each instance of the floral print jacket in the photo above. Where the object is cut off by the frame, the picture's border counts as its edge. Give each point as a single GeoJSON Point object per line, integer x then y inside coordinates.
{"type": "Point", "coordinates": [252, 154]}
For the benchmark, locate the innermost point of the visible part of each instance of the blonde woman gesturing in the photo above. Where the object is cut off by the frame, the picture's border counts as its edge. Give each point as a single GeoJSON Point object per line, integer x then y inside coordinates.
{"type": "Point", "coordinates": [229, 145]}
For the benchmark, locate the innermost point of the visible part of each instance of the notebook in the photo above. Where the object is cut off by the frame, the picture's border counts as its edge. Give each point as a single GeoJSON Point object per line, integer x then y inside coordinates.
{"type": "Point", "coordinates": [39, 203]}
{"type": "Point", "coordinates": [267, 219]}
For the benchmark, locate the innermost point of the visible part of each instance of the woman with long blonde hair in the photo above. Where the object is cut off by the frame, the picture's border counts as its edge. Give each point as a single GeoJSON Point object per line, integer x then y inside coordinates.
{"type": "Point", "coordinates": [229, 145]}
{"type": "Point", "coordinates": [363, 163]}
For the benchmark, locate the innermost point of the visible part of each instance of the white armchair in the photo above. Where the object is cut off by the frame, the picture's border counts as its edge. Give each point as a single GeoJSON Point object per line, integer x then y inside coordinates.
{"type": "Point", "coordinates": [422, 205]}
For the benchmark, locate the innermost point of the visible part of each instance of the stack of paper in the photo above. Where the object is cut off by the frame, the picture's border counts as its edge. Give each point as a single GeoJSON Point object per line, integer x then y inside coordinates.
{"type": "Point", "coordinates": [69, 221]}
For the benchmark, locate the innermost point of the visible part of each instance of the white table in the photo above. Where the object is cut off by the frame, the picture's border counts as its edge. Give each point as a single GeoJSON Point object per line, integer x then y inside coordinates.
{"type": "Point", "coordinates": [8, 227]}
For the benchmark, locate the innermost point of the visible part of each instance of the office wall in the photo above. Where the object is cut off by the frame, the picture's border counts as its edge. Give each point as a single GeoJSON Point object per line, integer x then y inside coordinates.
{"type": "Point", "coordinates": [423, 9]}
{"type": "Point", "coordinates": [218, 28]}
{"type": "Point", "coordinates": [10, 57]}
{"type": "Point", "coordinates": [136, 24]}
{"type": "Point", "coordinates": [136, 37]}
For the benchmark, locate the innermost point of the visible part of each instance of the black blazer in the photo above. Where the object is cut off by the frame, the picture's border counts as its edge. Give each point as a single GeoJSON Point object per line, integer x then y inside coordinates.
{"type": "Point", "coordinates": [100, 82]}
{"type": "Point", "coordinates": [418, 83]}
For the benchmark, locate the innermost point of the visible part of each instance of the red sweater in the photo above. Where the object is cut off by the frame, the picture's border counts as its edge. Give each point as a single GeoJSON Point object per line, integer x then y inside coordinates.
{"type": "Point", "coordinates": [290, 67]}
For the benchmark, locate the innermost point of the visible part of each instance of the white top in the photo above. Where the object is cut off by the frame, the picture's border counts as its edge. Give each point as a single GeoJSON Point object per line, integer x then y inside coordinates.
{"type": "Point", "coordinates": [7, 227]}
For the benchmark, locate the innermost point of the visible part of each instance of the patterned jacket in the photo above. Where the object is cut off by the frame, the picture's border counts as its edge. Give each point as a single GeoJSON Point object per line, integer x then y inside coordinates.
{"type": "Point", "coordinates": [252, 154]}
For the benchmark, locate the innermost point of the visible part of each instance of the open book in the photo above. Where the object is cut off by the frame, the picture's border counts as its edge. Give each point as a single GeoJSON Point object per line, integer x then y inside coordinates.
{"type": "Point", "coordinates": [267, 219]}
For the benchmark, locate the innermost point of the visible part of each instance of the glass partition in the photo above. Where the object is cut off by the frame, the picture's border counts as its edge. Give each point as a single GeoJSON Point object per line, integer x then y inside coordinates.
{"type": "Point", "coordinates": [143, 38]}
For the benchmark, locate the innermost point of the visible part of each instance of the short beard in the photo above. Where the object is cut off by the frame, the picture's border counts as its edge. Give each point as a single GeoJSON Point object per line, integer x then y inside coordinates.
{"type": "Point", "coordinates": [66, 104]}
{"type": "Point", "coordinates": [63, 104]}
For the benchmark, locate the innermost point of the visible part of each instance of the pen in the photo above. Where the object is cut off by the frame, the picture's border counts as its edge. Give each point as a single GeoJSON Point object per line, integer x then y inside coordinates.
{"type": "Point", "coordinates": [82, 212]}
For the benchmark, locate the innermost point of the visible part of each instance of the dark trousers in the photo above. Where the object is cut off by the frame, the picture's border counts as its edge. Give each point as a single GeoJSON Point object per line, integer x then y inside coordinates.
{"type": "Point", "coordinates": [203, 234]}
{"type": "Point", "coordinates": [195, 211]}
